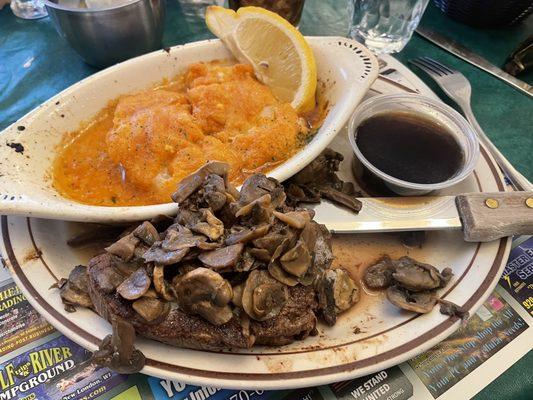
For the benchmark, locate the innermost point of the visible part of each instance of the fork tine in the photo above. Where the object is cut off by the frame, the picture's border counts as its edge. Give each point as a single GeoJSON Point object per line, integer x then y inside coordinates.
{"type": "Point", "coordinates": [442, 67]}
{"type": "Point", "coordinates": [427, 68]}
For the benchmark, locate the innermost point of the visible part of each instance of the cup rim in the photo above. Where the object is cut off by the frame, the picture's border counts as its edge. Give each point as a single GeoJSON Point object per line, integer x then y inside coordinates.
{"type": "Point", "coordinates": [442, 108]}
{"type": "Point", "coordinates": [56, 6]}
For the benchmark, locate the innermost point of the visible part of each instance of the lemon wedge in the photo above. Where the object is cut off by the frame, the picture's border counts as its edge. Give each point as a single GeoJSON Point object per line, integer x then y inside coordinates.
{"type": "Point", "coordinates": [279, 54]}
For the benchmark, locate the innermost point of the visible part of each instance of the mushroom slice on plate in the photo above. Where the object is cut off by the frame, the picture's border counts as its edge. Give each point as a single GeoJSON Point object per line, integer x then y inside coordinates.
{"type": "Point", "coordinates": [417, 276]}
{"type": "Point", "coordinates": [258, 185]}
{"type": "Point", "coordinates": [336, 292]}
{"type": "Point", "coordinates": [214, 192]}
{"type": "Point", "coordinates": [205, 292]}
{"type": "Point", "coordinates": [269, 242]}
{"type": "Point", "coordinates": [278, 273]}
{"type": "Point", "coordinates": [193, 182]}
{"type": "Point", "coordinates": [124, 247]}
{"type": "Point", "coordinates": [134, 286]}
{"type": "Point", "coordinates": [151, 309]}
{"type": "Point", "coordinates": [247, 234]}
{"type": "Point", "coordinates": [147, 233]}
{"type": "Point", "coordinates": [263, 201]}
{"type": "Point", "coordinates": [419, 302]}
{"type": "Point", "coordinates": [237, 294]}
{"type": "Point", "coordinates": [74, 292]}
{"type": "Point", "coordinates": [223, 258]}
{"type": "Point", "coordinates": [210, 225]}
{"type": "Point", "coordinates": [379, 275]}
{"type": "Point", "coordinates": [295, 219]}
{"type": "Point", "coordinates": [107, 279]}
{"type": "Point", "coordinates": [297, 260]}
{"type": "Point", "coordinates": [161, 285]}
{"type": "Point", "coordinates": [179, 237]}
{"type": "Point", "coordinates": [263, 297]}
{"type": "Point", "coordinates": [160, 256]}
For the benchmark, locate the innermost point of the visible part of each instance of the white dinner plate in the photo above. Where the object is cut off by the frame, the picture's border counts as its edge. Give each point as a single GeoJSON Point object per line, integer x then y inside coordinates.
{"type": "Point", "coordinates": [373, 335]}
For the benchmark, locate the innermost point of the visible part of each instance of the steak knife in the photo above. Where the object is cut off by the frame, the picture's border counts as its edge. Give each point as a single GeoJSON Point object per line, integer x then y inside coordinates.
{"type": "Point", "coordinates": [474, 59]}
{"type": "Point", "coordinates": [481, 216]}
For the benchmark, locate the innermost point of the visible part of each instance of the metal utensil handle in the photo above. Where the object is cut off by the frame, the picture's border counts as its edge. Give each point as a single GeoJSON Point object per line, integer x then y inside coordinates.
{"type": "Point", "coordinates": [518, 180]}
{"type": "Point", "coordinates": [491, 216]}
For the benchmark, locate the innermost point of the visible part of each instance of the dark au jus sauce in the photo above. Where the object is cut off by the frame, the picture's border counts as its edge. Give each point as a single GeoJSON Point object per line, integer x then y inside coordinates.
{"type": "Point", "coordinates": [410, 147]}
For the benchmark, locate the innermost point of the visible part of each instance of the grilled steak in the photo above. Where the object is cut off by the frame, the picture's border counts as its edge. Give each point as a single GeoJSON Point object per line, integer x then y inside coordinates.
{"type": "Point", "coordinates": [229, 271]}
{"type": "Point", "coordinates": [295, 321]}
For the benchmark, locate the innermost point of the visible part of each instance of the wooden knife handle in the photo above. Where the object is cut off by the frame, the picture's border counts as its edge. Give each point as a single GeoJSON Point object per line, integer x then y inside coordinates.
{"type": "Point", "coordinates": [491, 216]}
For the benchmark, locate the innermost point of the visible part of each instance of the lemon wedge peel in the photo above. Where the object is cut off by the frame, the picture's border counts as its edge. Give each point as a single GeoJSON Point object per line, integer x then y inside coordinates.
{"type": "Point", "coordinates": [279, 54]}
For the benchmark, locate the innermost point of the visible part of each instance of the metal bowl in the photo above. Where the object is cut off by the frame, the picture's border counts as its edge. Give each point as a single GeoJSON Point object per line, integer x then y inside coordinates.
{"type": "Point", "coordinates": [106, 36]}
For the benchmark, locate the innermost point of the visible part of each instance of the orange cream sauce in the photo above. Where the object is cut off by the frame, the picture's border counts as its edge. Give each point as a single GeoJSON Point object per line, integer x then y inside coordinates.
{"type": "Point", "coordinates": [136, 150]}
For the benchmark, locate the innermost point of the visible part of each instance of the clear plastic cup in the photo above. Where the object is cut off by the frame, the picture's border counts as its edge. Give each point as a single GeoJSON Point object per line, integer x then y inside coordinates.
{"type": "Point", "coordinates": [428, 108]}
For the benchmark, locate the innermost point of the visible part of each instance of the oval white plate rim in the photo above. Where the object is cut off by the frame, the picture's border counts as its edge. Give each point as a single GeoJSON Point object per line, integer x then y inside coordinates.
{"type": "Point", "coordinates": [274, 380]}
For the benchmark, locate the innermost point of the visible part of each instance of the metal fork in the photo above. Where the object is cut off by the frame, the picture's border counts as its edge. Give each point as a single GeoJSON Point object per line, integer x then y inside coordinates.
{"type": "Point", "coordinates": [458, 88]}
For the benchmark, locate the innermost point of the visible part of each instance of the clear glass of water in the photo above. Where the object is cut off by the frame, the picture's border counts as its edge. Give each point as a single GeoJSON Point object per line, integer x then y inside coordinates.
{"type": "Point", "coordinates": [385, 26]}
{"type": "Point", "coordinates": [28, 9]}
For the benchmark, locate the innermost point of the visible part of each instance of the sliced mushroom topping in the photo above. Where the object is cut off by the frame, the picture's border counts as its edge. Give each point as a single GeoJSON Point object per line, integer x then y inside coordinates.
{"type": "Point", "coordinates": [161, 286]}
{"type": "Point", "coordinates": [74, 292]}
{"type": "Point", "coordinates": [179, 237]}
{"type": "Point", "coordinates": [446, 275]}
{"type": "Point", "coordinates": [151, 293]}
{"type": "Point", "coordinates": [416, 276]}
{"type": "Point", "coordinates": [263, 297]}
{"type": "Point", "coordinates": [208, 245]}
{"type": "Point", "coordinates": [453, 310]}
{"type": "Point", "coordinates": [280, 249]}
{"type": "Point", "coordinates": [323, 252]}
{"type": "Point", "coordinates": [280, 275]}
{"type": "Point", "coordinates": [210, 225]}
{"type": "Point", "coordinates": [269, 242]}
{"type": "Point", "coordinates": [222, 258]}
{"type": "Point", "coordinates": [419, 302]}
{"type": "Point", "coordinates": [295, 219]}
{"type": "Point", "coordinates": [344, 199]}
{"type": "Point", "coordinates": [117, 351]}
{"type": "Point", "coordinates": [237, 294]}
{"type": "Point", "coordinates": [247, 234]}
{"type": "Point", "coordinates": [246, 262]}
{"type": "Point", "coordinates": [263, 201]}
{"type": "Point", "coordinates": [108, 279]}
{"type": "Point", "coordinates": [124, 247]}
{"type": "Point", "coordinates": [127, 268]}
{"type": "Point", "coordinates": [297, 260]}
{"type": "Point", "coordinates": [193, 182]}
{"type": "Point", "coordinates": [78, 278]}
{"type": "Point", "coordinates": [150, 308]}
{"type": "Point", "coordinates": [147, 233]}
{"type": "Point", "coordinates": [135, 286]}
{"type": "Point", "coordinates": [258, 185]}
{"type": "Point", "coordinates": [310, 275]}
{"type": "Point", "coordinates": [336, 292]}
{"type": "Point", "coordinates": [204, 292]}
{"type": "Point", "coordinates": [260, 254]}
{"type": "Point", "coordinates": [379, 275]}
{"type": "Point", "coordinates": [260, 214]}
{"type": "Point", "coordinates": [160, 256]}
{"type": "Point", "coordinates": [308, 235]}
{"type": "Point", "coordinates": [214, 192]}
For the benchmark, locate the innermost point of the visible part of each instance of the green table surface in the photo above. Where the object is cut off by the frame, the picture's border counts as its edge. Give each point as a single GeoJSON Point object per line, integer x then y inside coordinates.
{"type": "Point", "coordinates": [35, 64]}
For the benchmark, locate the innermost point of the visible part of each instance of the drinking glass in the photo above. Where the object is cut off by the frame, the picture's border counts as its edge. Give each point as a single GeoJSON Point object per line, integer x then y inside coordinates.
{"type": "Point", "coordinates": [291, 10]}
{"type": "Point", "coordinates": [385, 26]}
{"type": "Point", "coordinates": [28, 9]}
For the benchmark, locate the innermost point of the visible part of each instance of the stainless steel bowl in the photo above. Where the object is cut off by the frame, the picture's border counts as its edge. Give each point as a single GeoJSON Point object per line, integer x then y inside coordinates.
{"type": "Point", "coordinates": [103, 37]}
